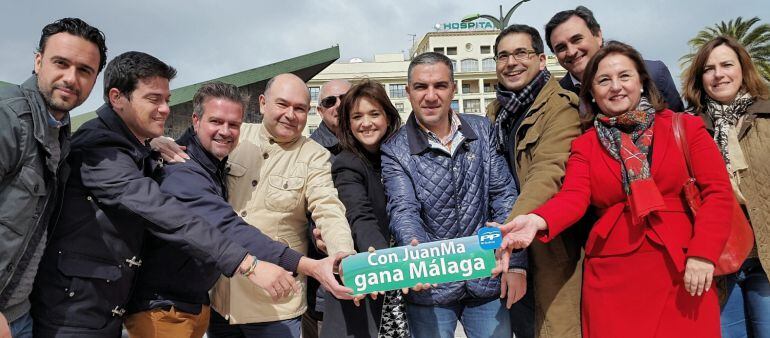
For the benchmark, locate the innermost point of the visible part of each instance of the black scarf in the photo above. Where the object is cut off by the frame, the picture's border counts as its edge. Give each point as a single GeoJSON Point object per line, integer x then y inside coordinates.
{"type": "Point", "coordinates": [513, 104]}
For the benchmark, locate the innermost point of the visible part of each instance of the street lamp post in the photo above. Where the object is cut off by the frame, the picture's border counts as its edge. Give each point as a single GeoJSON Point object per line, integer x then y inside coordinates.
{"type": "Point", "coordinates": [500, 23]}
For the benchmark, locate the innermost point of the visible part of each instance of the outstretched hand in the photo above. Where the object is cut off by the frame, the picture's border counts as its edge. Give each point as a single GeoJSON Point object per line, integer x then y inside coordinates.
{"type": "Point", "coordinates": [323, 271]}
{"type": "Point", "coordinates": [519, 233]}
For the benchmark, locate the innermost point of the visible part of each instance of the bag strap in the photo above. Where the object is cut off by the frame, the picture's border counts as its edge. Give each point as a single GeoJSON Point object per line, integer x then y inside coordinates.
{"type": "Point", "coordinates": [681, 141]}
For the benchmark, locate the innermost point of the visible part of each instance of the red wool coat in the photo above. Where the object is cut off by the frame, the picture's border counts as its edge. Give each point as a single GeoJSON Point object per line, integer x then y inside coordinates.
{"type": "Point", "coordinates": [633, 279]}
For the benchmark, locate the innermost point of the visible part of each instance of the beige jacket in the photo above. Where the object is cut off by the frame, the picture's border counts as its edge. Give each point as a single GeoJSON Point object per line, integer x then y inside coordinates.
{"type": "Point", "coordinates": [754, 139]}
{"type": "Point", "coordinates": [543, 142]}
{"type": "Point", "coordinates": [274, 187]}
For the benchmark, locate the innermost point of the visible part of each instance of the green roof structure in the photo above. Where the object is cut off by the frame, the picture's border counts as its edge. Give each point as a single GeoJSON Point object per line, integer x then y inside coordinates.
{"type": "Point", "coordinates": [250, 82]}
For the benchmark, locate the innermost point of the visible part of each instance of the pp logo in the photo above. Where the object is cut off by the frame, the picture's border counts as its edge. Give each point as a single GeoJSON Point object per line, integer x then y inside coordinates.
{"type": "Point", "coordinates": [490, 238]}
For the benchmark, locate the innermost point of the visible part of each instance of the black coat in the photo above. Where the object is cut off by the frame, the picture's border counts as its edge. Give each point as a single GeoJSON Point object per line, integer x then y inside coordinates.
{"type": "Point", "coordinates": [360, 188]}
{"type": "Point", "coordinates": [659, 74]}
{"type": "Point", "coordinates": [94, 249]}
{"type": "Point", "coordinates": [200, 185]}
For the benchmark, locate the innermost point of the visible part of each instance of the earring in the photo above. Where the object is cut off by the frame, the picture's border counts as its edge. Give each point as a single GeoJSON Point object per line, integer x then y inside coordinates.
{"type": "Point", "coordinates": [593, 99]}
{"type": "Point", "coordinates": [642, 90]}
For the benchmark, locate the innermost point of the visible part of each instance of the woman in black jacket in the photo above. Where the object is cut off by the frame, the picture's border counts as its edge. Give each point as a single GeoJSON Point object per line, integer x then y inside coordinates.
{"type": "Point", "coordinates": [366, 120]}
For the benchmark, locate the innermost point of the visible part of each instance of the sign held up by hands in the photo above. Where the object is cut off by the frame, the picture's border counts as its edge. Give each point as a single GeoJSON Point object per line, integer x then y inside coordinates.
{"type": "Point", "coordinates": [435, 262]}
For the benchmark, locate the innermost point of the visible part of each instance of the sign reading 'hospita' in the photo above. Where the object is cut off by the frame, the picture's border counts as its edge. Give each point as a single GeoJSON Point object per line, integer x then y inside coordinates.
{"type": "Point", "coordinates": [435, 262]}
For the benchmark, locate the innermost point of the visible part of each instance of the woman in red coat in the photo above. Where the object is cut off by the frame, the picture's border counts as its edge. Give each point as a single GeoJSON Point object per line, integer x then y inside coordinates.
{"type": "Point", "coordinates": [649, 266]}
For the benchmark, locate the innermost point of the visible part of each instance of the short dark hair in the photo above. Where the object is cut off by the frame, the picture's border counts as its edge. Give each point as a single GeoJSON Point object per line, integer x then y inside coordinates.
{"type": "Point", "coordinates": [125, 71]}
{"type": "Point", "coordinates": [217, 90]}
{"type": "Point", "coordinates": [375, 92]}
{"type": "Point", "coordinates": [537, 42]}
{"type": "Point", "coordinates": [430, 58]}
{"type": "Point", "coordinates": [580, 12]}
{"type": "Point", "coordinates": [78, 28]}
{"type": "Point", "coordinates": [616, 47]}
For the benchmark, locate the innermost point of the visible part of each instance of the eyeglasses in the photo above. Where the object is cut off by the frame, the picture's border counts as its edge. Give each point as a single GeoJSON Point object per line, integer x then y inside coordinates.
{"type": "Point", "coordinates": [330, 101]}
{"type": "Point", "coordinates": [518, 55]}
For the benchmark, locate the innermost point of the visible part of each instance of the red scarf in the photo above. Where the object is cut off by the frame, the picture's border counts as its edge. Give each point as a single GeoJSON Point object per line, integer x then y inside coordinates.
{"type": "Point", "coordinates": [628, 138]}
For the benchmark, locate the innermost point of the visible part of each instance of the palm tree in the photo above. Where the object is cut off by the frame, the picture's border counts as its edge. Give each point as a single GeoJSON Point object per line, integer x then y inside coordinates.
{"type": "Point", "coordinates": [756, 41]}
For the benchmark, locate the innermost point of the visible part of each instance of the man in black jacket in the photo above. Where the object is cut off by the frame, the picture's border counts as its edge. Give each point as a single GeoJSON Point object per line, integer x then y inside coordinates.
{"type": "Point", "coordinates": [200, 185]}
{"type": "Point", "coordinates": [87, 270]}
{"type": "Point", "coordinates": [574, 36]}
{"type": "Point", "coordinates": [34, 145]}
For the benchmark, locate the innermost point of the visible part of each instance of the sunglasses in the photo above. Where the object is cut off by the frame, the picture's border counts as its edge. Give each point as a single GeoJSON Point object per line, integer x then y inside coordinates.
{"type": "Point", "coordinates": [330, 101]}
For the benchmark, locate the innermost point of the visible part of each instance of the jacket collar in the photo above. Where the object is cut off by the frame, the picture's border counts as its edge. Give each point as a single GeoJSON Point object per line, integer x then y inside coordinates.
{"type": "Point", "coordinates": [759, 109]}
{"type": "Point", "coordinates": [418, 141]}
{"type": "Point", "coordinates": [39, 110]}
{"type": "Point", "coordinates": [113, 122]}
{"type": "Point", "coordinates": [195, 149]}
{"type": "Point", "coordinates": [549, 90]}
{"type": "Point", "coordinates": [324, 136]}
{"type": "Point", "coordinates": [267, 140]}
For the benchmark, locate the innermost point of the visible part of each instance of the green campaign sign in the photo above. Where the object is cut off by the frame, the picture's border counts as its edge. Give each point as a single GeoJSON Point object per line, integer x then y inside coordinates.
{"type": "Point", "coordinates": [435, 262]}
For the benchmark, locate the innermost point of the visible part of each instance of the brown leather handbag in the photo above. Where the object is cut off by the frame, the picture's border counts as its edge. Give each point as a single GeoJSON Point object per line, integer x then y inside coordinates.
{"type": "Point", "coordinates": [741, 238]}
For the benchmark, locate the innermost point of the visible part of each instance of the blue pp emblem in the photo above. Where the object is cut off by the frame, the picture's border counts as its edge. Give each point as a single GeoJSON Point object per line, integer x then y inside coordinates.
{"type": "Point", "coordinates": [490, 238]}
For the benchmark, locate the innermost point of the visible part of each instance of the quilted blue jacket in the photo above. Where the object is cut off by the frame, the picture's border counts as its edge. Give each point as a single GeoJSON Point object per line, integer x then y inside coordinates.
{"type": "Point", "coordinates": [434, 196]}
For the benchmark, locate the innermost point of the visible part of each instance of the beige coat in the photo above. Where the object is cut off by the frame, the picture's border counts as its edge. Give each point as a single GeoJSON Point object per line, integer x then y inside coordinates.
{"type": "Point", "coordinates": [754, 139]}
{"type": "Point", "coordinates": [542, 147]}
{"type": "Point", "coordinates": [275, 187]}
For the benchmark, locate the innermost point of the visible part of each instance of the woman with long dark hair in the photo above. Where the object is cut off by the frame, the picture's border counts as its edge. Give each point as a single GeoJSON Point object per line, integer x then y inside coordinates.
{"type": "Point", "coordinates": [366, 120]}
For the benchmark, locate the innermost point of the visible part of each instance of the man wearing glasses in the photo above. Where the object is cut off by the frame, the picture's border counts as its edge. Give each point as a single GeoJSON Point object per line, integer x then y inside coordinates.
{"type": "Point", "coordinates": [329, 99]}
{"type": "Point", "coordinates": [535, 120]}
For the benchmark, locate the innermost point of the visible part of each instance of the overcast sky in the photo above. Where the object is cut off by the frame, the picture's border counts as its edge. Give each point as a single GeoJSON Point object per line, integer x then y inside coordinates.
{"type": "Point", "coordinates": [209, 39]}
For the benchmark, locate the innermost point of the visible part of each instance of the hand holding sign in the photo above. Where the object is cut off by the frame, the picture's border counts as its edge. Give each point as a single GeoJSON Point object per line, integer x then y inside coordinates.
{"type": "Point", "coordinates": [421, 265]}
{"type": "Point", "coordinates": [519, 233]}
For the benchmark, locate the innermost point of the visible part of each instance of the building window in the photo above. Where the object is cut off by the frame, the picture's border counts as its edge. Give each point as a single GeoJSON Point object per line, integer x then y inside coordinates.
{"type": "Point", "coordinates": [488, 65]}
{"type": "Point", "coordinates": [454, 65]}
{"type": "Point", "coordinates": [314, 91]}
{"type": "Point", "coordinates": [486, 49]}
{"type": "Point", "coordinates": [313, 110]}
{"type": "Point", "coordinates": [455, 106]}
{"type": "Point", "coordinates": [311, 129]}
{"type": "Point", "coordinates": [472, 106]}
{"type": "Point", "coordinates": [469, 65]}
{"type": "Point", "coordinates": [397, 91]}
{"type": "Point", "coordinates": [466, 88]}
{"type": "Point", "coordinates": [438, 50]}
{"type": "Point", "coordinates": [399, 107]}
{"type": "Point", "coordinates": [451, 51]}
{"type": "Point", "coordinates": [489, 87]}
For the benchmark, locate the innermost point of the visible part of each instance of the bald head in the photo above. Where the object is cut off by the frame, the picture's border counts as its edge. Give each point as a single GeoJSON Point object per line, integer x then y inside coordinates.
{"type": "Point", "coordinates": [328, 109]}
{"type": "Point", "coordinates": [284, 107]}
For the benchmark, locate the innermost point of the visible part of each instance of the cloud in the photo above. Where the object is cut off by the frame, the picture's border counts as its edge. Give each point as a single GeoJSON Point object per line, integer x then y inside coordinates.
{"type": "Point", "coordinates": [208, 39]}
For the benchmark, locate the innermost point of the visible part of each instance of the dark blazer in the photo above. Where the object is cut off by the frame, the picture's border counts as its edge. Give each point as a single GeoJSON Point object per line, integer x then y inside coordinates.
{"type": "Point", "coordinates": [359, 184]}
{"type": "Point", "coordinates": [200, 185]}
{"type": "Point", "coordinates": [111, 199]}
{"type": "Point", "coordinates": [660, 75]}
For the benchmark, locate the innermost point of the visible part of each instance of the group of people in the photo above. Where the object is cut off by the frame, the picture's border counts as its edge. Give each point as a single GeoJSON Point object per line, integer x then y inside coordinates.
{"type": "Point", "coordinates": [218, 231]}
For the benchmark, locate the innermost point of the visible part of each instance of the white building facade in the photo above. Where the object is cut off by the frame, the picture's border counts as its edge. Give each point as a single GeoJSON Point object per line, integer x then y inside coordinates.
{"type": "Point", "coordinates": [472, 57]}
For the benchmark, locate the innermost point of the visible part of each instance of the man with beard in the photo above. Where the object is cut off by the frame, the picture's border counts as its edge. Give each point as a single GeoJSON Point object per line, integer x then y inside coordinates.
{"type": "Point", "coordinates": [111, 200]}
{"type": "Point", "coordinates": [34, 145]}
